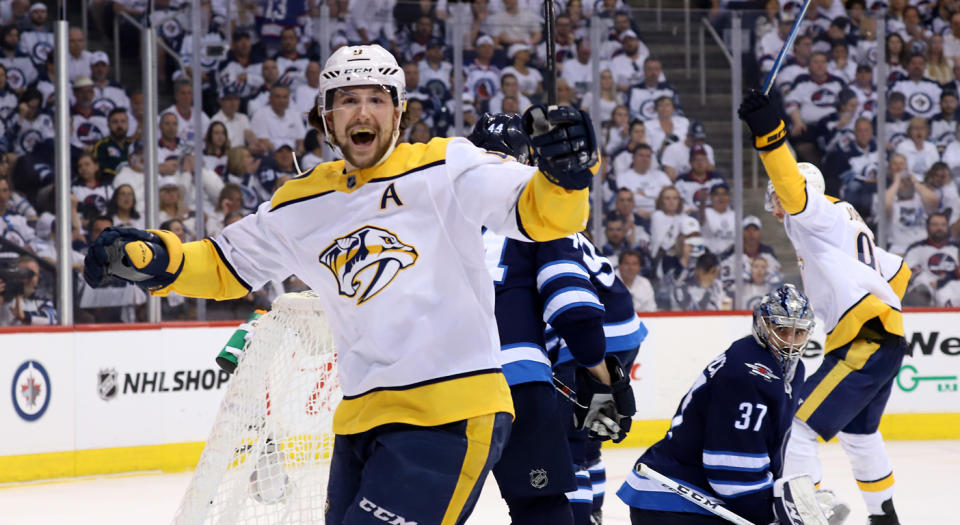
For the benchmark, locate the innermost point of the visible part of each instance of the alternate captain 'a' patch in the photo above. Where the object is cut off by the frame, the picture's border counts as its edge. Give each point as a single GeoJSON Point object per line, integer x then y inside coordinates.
{"type": "Point", "coordinates": [761, 370]}
{"type": "Point", "coordinates": [368, 248]}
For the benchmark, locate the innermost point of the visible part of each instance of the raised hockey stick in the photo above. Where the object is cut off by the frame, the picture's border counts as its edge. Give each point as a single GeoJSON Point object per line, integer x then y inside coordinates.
{"type": "Point", "coordinates": [551, 51]}
{"type": "Point", "coordinates": [691, 495]}
{"type": "Point", "coordinates": [778, 64]}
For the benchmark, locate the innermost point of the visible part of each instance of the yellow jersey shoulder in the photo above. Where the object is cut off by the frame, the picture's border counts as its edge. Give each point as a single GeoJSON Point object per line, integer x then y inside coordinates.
{"type": "Point", "coordinates": [330, 176]}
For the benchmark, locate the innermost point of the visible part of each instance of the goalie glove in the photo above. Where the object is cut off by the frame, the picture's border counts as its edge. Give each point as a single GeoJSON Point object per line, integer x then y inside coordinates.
{"type": "Point", "coordinates": [564, 144]}
{"type": "Point", "coordinates": [150, 259]}
{"type": "Point", "coordinates": [605, 411]}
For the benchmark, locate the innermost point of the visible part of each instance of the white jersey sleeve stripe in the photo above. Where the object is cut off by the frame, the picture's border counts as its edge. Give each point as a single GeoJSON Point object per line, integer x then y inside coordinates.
{"type": "Point", "coordinates": [557, 269]}
{"type": "Point", "coordinates": [722, 460]}
{"type": "Point", "coordinates": [567, 298]}
{"type": "Point", "coordinates": [734, 488]}
{"type": "Point", "coordinates": [523, 352]}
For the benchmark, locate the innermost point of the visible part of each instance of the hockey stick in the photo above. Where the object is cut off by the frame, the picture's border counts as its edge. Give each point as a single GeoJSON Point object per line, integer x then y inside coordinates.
{"type": "Point", "coordinates": [551, 50]}
{"type": "Point", "coordinates": [566, 392]}
{"type": "Point", "coordinates": [690, 494]}
{"type": "Point", "coordinates": [775, 70]}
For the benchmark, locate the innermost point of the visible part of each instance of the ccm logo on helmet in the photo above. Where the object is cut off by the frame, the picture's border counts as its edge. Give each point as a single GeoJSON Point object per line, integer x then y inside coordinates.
{"type": "Point", "coordinates": [357, 70]}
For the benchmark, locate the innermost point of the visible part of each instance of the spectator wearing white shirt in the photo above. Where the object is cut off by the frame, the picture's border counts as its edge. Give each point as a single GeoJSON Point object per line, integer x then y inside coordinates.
{"type": "Point", "coordinates": [240, 71]}
{"type": "Point", "coordinates": [278, 123]}
{"type": "Point", "coordinates": [627, 67]}
{"type": "Point", "coordinates": [951, 155]}
{"type": "Point", "coordinates": [578, 72]}
{"type": "Point", "coordinates": [668, 127]}
{"type": "Point", "coordinates": [371, 22]}
{"type": "Point", "coordinates": [933, 258]}
{"type": "Point", "coordinates": [642, 96]}
{"type": "Point", "coordinates": [78, 60]}
{"type": "Point", "coordinates": [610, 98]}
{"type": "Point", "coordinates": [183, 108]}
{"type": "Point", "coordinates": [951, 40]}
{"type": "Point", "coordinates": [508, 88]}
{"type": "Point", "coordinates": [907, 204]}
{"type": "Point", "coordinates": [169, 145]}
{"type": "Point", "coordinates": [919, 152]}
{"type": "Point", "coordinates": [216, 145]}
{"type": "Point", "coordinates": [717, 220]}
{"type": "Point", "coordinates": [483, 77]}
{"type": "Point", "coordinates": [840, 64]}
{"type": "Point", "coordinates": [238, 124]}
{"type": "Point", "coordinates": [938, 180]}
{"type": "Point", "coordinates": [270, 75]}
{"type": "Point", "coordinates": [675, 158]}
{"type": "Point", "coordinates": [943, 126]}
{"type": "Point", "coordinates": [922, 94]}
{"type": "Point", "coordinates": [528, 78]}
{"type": "Point", "coordinates": [644, 181]}
{"type": "Point", "coordinates": [516, 26]}
{"type": "Point", "coordinates": [665, 222]}
{"type": "Point", "coordinates": [107, 94]}
{"type": "Point", "coordinates": [433, 68]}
{"type": "Point", "coordinates": [628, 270]}
{"type": "Point", "coordinates": [36, 40]}
{"type": "Point", "coordinates": [290, 63]}
{"type": "Point", "coordinates": [305, 95]}
{"type": "Point", "coordinates": [812, 97]}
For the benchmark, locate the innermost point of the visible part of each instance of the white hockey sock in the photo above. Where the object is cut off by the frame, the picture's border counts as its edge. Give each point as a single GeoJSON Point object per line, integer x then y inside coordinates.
{"type": "Point", "coordinates": [801, 457]}
{"type": "Point", "coordinates": [871, 467]}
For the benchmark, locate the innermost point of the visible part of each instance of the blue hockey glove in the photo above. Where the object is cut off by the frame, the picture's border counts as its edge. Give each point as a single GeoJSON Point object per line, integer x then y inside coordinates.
{"type": "Point", "coordinates": [764, 121]}
{"type": "Point", "coordinates": [564, 143]}
{"type": "Point", "coordinates": [150, 259]}
{"type": "Point", "coordinates": [606, 411]}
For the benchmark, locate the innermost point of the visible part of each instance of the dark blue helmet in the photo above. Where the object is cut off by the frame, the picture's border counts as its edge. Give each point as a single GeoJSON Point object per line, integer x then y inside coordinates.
{"type": "Point", "coordinates": [783, 322]}
{"type": "Point", "coordinates": [503, 133]}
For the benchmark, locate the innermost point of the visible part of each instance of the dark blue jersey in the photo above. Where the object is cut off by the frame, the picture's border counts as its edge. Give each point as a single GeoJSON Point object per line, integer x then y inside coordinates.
{"type": "Point", "coordinates": [726, 438]}
{"type": "Point", "coordinates": [622, 328]}
{"type": "Point", "coordinates": [538, 284]}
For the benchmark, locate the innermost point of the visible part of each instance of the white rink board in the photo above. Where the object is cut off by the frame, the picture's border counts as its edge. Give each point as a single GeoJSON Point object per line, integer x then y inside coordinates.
{"type": "Point", "coordinates": [78, 418]}
{"type": "Point", "coordinates": [678, 348]}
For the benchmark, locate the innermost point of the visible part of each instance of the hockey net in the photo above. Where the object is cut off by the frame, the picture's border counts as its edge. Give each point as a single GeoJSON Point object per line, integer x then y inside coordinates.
{"type": "Point", "coordinates": [268, 456]}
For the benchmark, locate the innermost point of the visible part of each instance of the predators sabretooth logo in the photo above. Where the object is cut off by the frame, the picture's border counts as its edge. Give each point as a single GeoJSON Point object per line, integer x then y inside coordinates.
{"type": "Point", "coordinates": [369, 247]}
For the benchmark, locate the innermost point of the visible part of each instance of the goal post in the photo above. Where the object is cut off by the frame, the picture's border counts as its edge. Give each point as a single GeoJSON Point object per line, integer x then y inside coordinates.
{"type": "Point", "coordinates": [268, 456]}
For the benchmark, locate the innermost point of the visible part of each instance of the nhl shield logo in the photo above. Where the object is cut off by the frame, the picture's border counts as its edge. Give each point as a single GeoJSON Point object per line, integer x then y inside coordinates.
{"type": "Point", "coordinates": [107, 383]}
{"type": "Point", "coordinates": [538, 478]}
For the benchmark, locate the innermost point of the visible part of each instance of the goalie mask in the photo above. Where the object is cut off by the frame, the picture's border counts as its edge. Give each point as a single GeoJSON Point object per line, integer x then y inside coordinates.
{"type": "Point", "coordinates": [503, 133]}
{"type": "Point", "coordinates": [357, 66]}
{"type": "Point", "coordinates": [811, 175]}
{"type": "Point", "coordinates": [783, 323]}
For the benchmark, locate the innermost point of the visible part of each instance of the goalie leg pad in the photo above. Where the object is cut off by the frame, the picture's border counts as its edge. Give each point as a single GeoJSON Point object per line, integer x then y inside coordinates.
{"type": "Point", "coordinates": [795, 501]}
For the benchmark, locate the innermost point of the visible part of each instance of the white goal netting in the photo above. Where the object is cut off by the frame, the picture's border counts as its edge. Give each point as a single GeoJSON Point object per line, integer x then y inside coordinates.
{"type": "Point", "coordinates": [268, 456]}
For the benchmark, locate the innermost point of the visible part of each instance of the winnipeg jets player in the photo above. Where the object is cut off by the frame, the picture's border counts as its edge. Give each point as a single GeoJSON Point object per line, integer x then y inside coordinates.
{"type": "Point", "coordinates": [727, 435]}
{"type": "Point", "coordinates": [389, 239]}
{"type": "Point", "coordinates": [535, 284]}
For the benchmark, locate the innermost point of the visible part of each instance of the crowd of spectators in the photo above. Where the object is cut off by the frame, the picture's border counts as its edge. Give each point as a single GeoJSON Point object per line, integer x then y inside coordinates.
{"type": "Point", "coordinates": [829, 90]}
{"type": "Point", "coordinates": [668, 221]}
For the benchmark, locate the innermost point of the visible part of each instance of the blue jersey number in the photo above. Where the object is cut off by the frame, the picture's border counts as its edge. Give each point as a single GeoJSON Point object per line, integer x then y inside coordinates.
{"type": "Point", "coordinates": [865, 250]}
{"type": "Point", "coordinates": [746, 412]}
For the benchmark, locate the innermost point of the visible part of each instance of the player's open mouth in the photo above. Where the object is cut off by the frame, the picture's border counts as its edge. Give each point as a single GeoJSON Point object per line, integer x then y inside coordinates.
{"type": "Point", "coordinates": [362, 136]}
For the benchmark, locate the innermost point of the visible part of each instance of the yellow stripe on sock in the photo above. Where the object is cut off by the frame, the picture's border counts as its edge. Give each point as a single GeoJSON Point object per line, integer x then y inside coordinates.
{"type": "Point", "coordinates": [879, 485]}
{"type": "Point", "coordinates": [857, 356]}
{"type": "Point", "coordinates": [479, 435]}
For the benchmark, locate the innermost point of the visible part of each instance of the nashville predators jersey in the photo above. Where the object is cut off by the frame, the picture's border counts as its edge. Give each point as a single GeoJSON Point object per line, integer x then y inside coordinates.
{"type": "Point", "coordinates": [848, 279]}
{"type": "Point", "coordinates": [395, 254]}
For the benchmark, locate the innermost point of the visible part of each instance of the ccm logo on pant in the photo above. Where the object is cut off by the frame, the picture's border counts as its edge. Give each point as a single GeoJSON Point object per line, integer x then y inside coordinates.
{"type": "Point", "coordinates": [383, 514]}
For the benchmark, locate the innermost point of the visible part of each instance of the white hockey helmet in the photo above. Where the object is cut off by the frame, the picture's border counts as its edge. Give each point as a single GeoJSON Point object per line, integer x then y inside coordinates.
{"type": "Point", "coordinates": [369, 65]}
{"type": "Point", "coordinates": [810, 173]}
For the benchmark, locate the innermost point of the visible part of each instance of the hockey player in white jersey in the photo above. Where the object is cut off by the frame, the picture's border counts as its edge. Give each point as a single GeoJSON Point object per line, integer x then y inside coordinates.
{"type": "Point", "coordinates": [389, 239]}
{"type": "Point", "coordinates": [855, 287]}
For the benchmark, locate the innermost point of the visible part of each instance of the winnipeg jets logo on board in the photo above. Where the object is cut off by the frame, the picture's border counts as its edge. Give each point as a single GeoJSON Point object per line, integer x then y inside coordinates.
{"type": "Point", "coordinates": [368, 255]}
{"type": "Point", "coordinates": [761, 370]}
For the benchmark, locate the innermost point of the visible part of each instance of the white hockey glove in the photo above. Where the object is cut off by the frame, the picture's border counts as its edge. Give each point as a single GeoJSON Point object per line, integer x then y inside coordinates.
{"type": "Point", "coordinates": [609, 408]}
{"type": "Point", "coordinates": [797, 502]}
